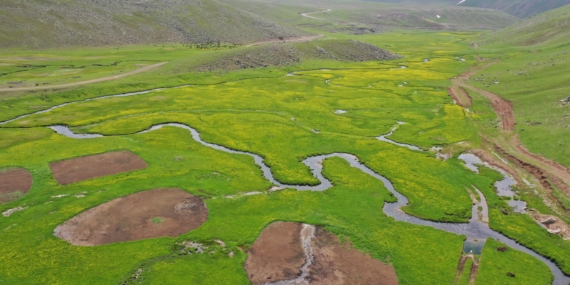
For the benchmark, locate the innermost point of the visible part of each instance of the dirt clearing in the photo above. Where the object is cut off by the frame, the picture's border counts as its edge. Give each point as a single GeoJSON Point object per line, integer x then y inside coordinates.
{"type": "Point", "coordinates": [149, 214]}
{"type": "Point", "coordinates": [14, 183]}
{"type": "Point", "coordinates": [276, 255]}
{"type": "Point", "coordinates": [292, 253]}
{"type": "Point", "coordinates": [336, 263]}
{"type": "Point", "coordinates": [87, 167]}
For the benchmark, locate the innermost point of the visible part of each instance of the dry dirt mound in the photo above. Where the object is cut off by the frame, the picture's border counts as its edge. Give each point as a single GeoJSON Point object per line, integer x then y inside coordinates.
{"type": "Point", "coordinates": [13, 183]}
{"type": "Point", "coordinates": [149, 214]}
{"type": "Point", "coordinates": [290, 53]}
{"type": "Point", "coordinates": [336, 263]}
{"type": "Point", "coordinates": [292, 253]}
{"type": "Point", "coordinates": [553, 224]}
{"type": "Point", "coordinates": [276, 255]}
{"type": "Point", "coordinates": [87, 167]}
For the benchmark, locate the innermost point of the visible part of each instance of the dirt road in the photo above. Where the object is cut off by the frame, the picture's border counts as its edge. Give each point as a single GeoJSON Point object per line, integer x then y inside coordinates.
{"type": "Point", "coordinates": [143, 69]}
{"type": "Point", "coordinates": [549, 173]}
{"type": "Point", "coordinates": [288, 40]}
{"type": "Point", "coordinates": [307, 15]}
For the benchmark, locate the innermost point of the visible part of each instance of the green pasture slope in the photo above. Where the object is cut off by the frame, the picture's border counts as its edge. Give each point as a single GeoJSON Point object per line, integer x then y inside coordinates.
{"type": "Point", "coordinates": [283, 118]}
{"type": "Point", "coordinates": [533, 73]}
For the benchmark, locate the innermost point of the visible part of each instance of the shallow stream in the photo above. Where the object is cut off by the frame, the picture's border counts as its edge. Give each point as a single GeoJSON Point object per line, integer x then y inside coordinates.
{"type": "Point", "coordinates": [476, 230]}
{"type": "Point", "coordinates": [504, 187]}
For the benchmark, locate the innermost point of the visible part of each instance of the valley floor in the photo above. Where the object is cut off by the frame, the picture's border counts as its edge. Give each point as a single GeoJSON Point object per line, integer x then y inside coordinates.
{"type": "Point", "coordinates": [243, 149]}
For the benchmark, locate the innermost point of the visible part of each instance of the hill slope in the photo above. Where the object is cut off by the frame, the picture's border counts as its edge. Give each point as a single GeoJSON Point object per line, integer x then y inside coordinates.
{"type": "Point", "coordinates": [519, 8]}
{"type": "Point", "coordinates": [57, 23]}
{"type": "Point", "coordinates": [549, 27]}
{"type": "Point", "coordinates": [532, 73]}
{"type": "Point", "coordinates": [363, 17]}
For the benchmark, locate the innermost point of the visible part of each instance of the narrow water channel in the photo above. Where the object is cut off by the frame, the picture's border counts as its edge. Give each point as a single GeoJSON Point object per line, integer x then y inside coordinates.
{"type": "Point", "coordinates": [385, 138]}
{"type": "Point", "coordinates": [474, 230]}
{"type": "Point", "coordinates": [85, 100]}
{"type": "Point", "coordinates": [504, 186]}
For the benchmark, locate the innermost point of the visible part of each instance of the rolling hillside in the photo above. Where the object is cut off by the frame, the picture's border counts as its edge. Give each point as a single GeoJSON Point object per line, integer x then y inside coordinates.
{"type": "Point", "coordinates": [519, 8]}
{"type": "Point", "coordinates": [549, 27]}
{"type": "Point", "coordinates": [58, 23]}
{"type": "Point", "coordinates": [532, 73]}
{"type": "Point", "coordinates": [365, 17]}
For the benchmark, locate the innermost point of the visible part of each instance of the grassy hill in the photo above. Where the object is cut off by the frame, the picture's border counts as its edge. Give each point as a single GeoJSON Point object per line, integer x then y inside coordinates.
{"type": "Point", "coordinates": [365, 17]}
{"type": "Point", "coordinates": [533, 73]}
{"type": "Point", "coordinates": [546, 28]}
{"type": "Point", "coordinates": [519, 8]}
{"type": "Point", "coordinates": [58, 23]}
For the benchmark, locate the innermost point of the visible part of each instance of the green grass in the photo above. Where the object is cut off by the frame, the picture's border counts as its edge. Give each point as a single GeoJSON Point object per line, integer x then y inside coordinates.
{"type": "Point", "coordinates": [464, 277]}
{"type": "Point", "coordinates": [495, 265]}
{"type": "Point", "coordinates": [237, 115]}
{"type": "Point", "coordinates": [264, 112]}
{"type": "Point", "coordinates": [531, 73]}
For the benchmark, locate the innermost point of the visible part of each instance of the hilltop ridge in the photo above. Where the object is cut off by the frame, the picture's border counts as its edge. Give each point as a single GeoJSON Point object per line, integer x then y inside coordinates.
{"type": "Point", "coordinates": [549, 27]}
{"type": "Point", "coordinates": [56, 23]}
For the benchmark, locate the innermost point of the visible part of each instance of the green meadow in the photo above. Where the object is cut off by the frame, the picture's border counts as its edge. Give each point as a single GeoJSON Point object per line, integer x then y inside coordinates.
{"type": "Point", "coordinates": [285, 119]}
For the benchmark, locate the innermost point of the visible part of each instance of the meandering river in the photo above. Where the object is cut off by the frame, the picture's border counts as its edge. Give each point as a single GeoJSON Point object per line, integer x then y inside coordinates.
{"type": "Point", "coordinates": [475, 229]}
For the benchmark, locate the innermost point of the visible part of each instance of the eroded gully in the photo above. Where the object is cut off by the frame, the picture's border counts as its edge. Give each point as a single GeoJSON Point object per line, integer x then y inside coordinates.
{"type": "Point", "coordinates": [475, 229]}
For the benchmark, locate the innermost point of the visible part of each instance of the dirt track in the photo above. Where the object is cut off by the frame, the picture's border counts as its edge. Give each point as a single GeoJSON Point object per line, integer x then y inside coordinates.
{"type": "Point", "coordinates": [102, 79]}
{"type": "Point", "coordinates": [288, 40]}
{"type": "Point", "coordinates": [549, 173]}
{"type": "Point", "coordinates": [307, 15]}
{"type": "Point", "coordinates": [88, 167]}
{"type": "Point", "coordinates": [149, 214]}
{"type": "Point", "coordinates": [14, 182]}
{"type": "Point", "coordinates": [503, 108]}
{"type": "Point", "coordinates": [461, 97]}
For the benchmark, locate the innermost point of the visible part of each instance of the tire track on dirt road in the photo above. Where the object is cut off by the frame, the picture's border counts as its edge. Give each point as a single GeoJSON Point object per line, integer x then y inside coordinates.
{"type": "Point", "coordinates": [307, 15]}
{"type": "Point", "coordinates": [549, 173]}
{"type": "Point", "coordinates": [97, 80]}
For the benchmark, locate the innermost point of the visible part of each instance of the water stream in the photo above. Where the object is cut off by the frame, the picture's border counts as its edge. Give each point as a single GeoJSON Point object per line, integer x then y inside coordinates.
{"type": "Point", "coordinates": [85, 100]}
{"type": "Point", "coordinates": [385, 138]}
{"type": "Point", "coordinates": [307, 234]}
{"type": "Point", "coordinates": [504, 187]}
{"type": "Point", "coordinates": [475, 229]}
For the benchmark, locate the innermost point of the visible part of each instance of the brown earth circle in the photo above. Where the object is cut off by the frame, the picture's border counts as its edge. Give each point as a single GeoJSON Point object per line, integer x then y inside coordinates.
{"type": "Point", "coordinates": [88, 167]}
{"type": "Point", "coordinates": [276, 255]}
{"type": "Point", "coordinates": [148, 214]}
{"type": "Point", "coordinates": [14, 183]}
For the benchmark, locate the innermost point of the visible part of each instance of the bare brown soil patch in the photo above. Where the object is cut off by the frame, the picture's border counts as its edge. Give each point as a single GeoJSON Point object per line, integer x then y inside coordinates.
{"type": "Point", "coordinates": [336, 263]}
{"type": "Point", "coordinates": [502, 107]}
{"type": "Point", "coordinates": [87, 167]}
{"type": "Point", "coordinates": [149, 214]}
{"type": "Point", "coordinates": [292, 253]}
{"type": "Point", "coordinates": [14, 183]}
{"type": "Point", "coordinates": [276, 255]}
{"type": "Point", "coordinates": [553, 224]}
